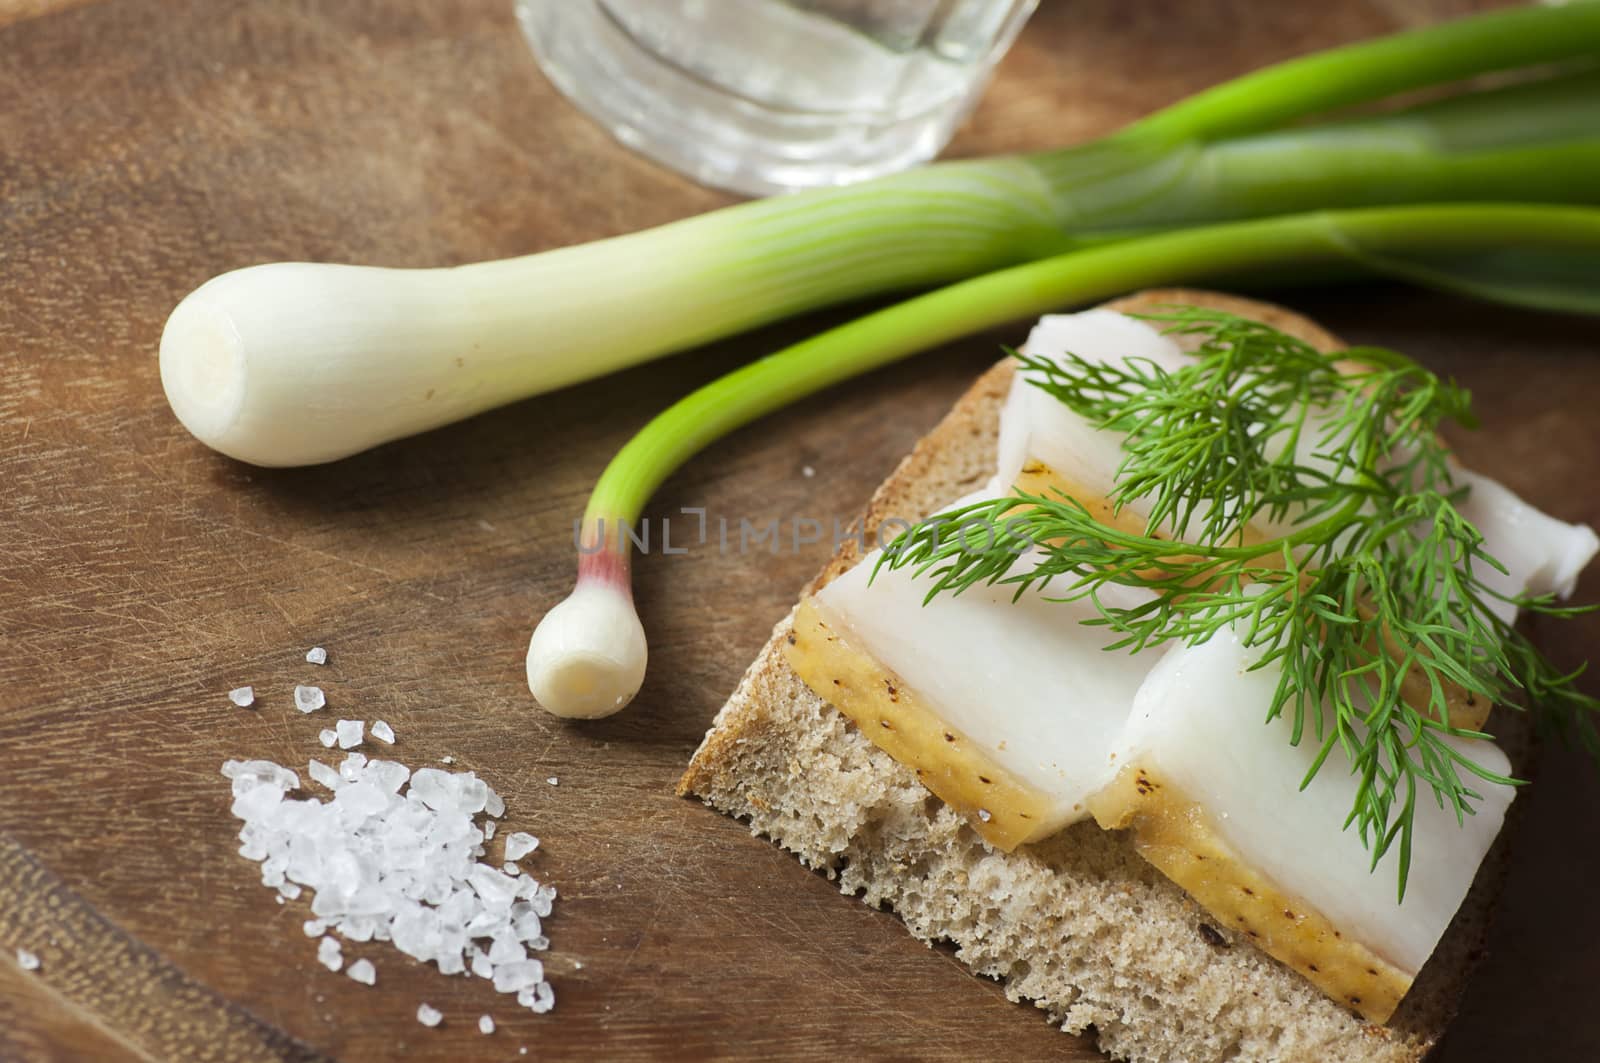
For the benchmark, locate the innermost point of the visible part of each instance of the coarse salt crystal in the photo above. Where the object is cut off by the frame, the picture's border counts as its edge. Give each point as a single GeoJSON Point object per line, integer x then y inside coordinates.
{"type": "Point", "coordinates": [330, 953]}
{"type": "Point", "coordinates": [486, 1025]}
{"type": "Point", "coordinates": [487, 923]}
{"type": "Point", "coordinates": [429, 1015]}
{"type": "Point", "coordinates": [257, 802]}
{"type": "Point", "coordinates": [472, 793]}
{"type": "Point", "coordinates": [518, 975]}
{"type": "Point", "coordinates": [244, 697]}
{"type": "Point", "coordinates": [28, 961]}
{"type": "Point", "coordinates": [309, 699]}
{"type": "Point", "coordinates": [544, 998]}
{"type": "Point", "coordinates": [349, 732]}
{"type": "Point", "coordinates": [362, 971]}
{"type": "Point", "coordinates": [328, 736]}
{"type": "Point", "coordinates": [497, 889]}
{"type": "Point", "coordinates": [447, 760]}
{"type": "Point", "coordinates": [322, 773]}
{"type": "Point", "coordinates": [388, 774]}
{"type": "Point", "coordinates": [362, 798]}
{"type": "Point", "coordinates": [552, 780]}
{"type": "Point", "coordinates": [520, 844]}
{"type": "Point", "coordinates": [527, 926]}
{"type": "Point", "coordinates": [357, 928]}
{"type": "Point", "coordinates": [352, 767]}
{"type": "Point", "coordinates": [383, 732]}
{"type": "Point", "coordinates": [434, 788]}
{"type": "Point", "coordinates": [314, 927]}
{"type": "Point", "coordinates": [248, 774]}
{"type": "Point", "coordinates": [316, 655]}
{"type": "Point", "coordinates": [506, 949]}
{"type": "Point", "coordinates": [807, 471]}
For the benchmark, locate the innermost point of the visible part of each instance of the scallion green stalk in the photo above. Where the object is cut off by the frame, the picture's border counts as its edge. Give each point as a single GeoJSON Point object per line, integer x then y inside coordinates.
{"type": "Point", "coordinates": [1535, 142]}
{"type": "Point", "coordinates": [1532, 255]}
{"type": "Point", "coordinates": [1372, 70]}
{"type": "Point", "coordinates": [299, 363]}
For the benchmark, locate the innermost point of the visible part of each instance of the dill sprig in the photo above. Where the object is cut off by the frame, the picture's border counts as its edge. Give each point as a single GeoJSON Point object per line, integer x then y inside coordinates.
{"type": "Point", "coordinates": [1364, 586]}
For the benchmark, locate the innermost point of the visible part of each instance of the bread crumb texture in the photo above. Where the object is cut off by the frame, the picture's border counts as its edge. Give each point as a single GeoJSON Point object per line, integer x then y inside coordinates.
{"type": "Point", "coordinates": [1078, 923]}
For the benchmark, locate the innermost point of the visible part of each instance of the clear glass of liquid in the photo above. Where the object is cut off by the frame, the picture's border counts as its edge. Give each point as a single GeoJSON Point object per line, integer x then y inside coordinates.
{"type": "Point", "coordinates": [764, 96]}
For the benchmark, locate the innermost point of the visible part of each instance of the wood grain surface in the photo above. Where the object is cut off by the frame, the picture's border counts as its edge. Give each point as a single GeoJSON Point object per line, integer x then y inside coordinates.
{"type": "Point", "coordinates": [145, 146]}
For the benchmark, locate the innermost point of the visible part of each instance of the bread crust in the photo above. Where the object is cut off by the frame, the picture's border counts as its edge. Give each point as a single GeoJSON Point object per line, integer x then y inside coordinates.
{"type": "Point", "coordinates": [1078, 923]}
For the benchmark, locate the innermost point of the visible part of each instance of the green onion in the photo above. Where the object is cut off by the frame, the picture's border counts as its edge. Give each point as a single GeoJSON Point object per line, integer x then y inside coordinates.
{"type": "Point", "coordinates": [1529, 255]}
{"type": "Point", "coordinates": [298, 363]}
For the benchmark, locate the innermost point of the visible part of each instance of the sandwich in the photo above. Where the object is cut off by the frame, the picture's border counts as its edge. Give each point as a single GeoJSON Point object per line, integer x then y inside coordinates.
{"type": "Point", "coordinates": [1159, 839]}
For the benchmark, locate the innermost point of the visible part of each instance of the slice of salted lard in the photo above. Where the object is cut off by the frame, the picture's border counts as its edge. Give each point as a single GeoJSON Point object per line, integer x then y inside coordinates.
{"type": "Point", "coordinates": [1541, 555]}
{"type": "Point", "coordinates": [1213, 799]}
{"type": "Point", "coordinates": [1004, 709]}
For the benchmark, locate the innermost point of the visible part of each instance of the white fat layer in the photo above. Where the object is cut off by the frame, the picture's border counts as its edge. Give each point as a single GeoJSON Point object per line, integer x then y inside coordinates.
{"type": "Point", "coordinates": [1542, 555]}
{"type": "Point", "coordinates": [1198, 722]}
{"type": "Point", "coordinates": [1027, 683]}
{"type": "Point", "coordinates": [1035, 425]}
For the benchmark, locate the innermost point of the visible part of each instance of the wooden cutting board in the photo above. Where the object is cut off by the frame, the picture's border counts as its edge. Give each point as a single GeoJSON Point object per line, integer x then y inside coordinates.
{"type": "Point", "coordinates": [145, 146]}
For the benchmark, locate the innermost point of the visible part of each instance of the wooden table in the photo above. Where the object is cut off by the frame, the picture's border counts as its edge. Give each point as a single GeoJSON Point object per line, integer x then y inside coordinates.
{"type": "Point", "coordinates": [145, 146]}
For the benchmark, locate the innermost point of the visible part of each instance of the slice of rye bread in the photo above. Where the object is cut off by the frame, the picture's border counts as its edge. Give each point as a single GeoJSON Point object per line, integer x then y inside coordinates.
{"type": "Point", "coordinates": [1077, 923]}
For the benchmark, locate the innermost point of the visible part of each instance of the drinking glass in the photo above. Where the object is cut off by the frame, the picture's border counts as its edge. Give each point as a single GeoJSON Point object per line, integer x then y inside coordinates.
{"type": "Point", "coordinates": [765, 96]}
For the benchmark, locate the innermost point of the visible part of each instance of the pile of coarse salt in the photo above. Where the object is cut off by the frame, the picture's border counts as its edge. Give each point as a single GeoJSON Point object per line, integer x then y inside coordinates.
{"type": "Point", "coordinates": [393, 855]}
